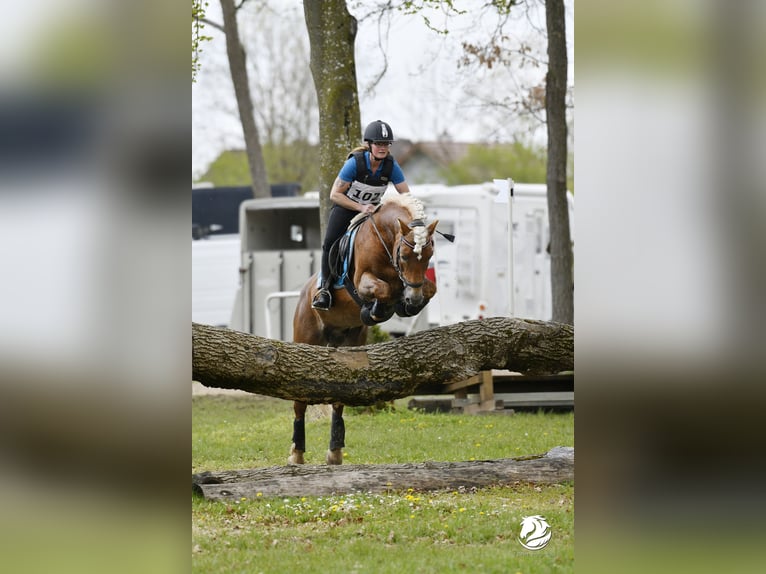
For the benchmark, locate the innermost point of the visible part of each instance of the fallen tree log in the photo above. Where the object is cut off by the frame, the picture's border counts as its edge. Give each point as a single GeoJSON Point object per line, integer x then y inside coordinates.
{"type": "Point", "coordinates": [554, 467]}
{"type": "Point", "coordinates": [385, 371]}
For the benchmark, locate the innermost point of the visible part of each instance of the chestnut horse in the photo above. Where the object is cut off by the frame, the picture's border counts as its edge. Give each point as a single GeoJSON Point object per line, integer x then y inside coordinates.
{"type": "Point", "coordinates": [391, 251]}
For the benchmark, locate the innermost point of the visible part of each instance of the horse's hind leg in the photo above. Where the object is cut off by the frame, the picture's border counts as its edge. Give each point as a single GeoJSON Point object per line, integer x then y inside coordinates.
{"type": "Point", "coordinates": [299, 434]}
{"type": "Point", "coordinates": [337, 436]}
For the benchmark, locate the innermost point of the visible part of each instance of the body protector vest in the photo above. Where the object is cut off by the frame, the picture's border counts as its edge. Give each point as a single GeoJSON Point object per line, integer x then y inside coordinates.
{"type": "Point", "coordinates": [366, 187]}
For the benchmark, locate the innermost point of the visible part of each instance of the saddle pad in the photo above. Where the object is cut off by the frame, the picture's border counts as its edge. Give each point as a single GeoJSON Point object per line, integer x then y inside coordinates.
{"type": "Point", "coordinates": [341, 257]}
{"type": "Point", "coordinates": [346, 255]}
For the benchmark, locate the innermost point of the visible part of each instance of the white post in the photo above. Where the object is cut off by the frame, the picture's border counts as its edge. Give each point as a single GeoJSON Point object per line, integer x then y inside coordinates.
{"type": "Point", "coordinates": [505, 187]}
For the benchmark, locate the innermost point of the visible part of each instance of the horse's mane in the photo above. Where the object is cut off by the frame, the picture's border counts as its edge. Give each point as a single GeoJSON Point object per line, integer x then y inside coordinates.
{"type": "Point", "coordinates": [417, 212]}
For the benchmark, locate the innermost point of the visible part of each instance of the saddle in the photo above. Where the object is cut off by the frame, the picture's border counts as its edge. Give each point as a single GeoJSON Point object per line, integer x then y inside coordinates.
{"type": "Point", "coordinates": [341, 258]}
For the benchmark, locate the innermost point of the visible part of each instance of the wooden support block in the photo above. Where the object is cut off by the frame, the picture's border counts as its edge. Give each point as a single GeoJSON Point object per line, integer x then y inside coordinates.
{"type": "Point", "coordinates": [465, 383]}
{"type": "Point", "coordinates": [486, 392]}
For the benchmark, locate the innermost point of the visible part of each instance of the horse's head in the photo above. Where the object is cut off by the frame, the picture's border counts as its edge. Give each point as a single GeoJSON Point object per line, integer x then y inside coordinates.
{"type": "Point", "coordinates": [413, 252]}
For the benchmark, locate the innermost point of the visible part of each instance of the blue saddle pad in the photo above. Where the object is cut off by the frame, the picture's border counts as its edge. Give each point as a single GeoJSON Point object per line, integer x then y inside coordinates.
{"type": "Point", "coordinates": [347, 257]}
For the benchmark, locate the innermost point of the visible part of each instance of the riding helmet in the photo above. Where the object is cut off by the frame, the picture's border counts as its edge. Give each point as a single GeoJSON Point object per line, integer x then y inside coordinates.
{"type": "Point", "coordinates": [378, 131]}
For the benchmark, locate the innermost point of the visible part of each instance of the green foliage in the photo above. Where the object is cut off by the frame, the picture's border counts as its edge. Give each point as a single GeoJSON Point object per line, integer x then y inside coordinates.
{"type": "Point", "coordinates": [198, 13]}
{"type": "Point", "coordinates": [487, 162]}
{"type": "Point", "coordinates": [484, 163]}
{"type": "Point", "coordinates": [294, 162]}
{"type": "Point", "coordinates": [377, 335]}
{"type": "Point", "coordinates": [229, 169]}
{"type": "Point", "coordinates": [442, 531]}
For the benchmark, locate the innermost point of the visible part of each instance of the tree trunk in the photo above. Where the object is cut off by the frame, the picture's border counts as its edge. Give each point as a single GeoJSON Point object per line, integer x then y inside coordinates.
{"type": "Point", "coordinates": [332, 31]}
{"type": "Point", "coordinates": [554, 467]}
{"type": "Point", "coordinates": [562, 278]}
{"type": "Point", "coordinates": [385, 371]}
{"type": "Point", "coordinates": [238, 69]}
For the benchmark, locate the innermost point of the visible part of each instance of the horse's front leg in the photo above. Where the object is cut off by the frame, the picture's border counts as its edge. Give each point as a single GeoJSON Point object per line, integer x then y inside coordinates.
{"type": "Point", "coordinates": [379, 293]}
{"type": "Point", "coordinates": [299, 434]}
{"type": "Point", "coordinates": [337, 435]}
{"type": "Point", "coordinates": [371, 288]}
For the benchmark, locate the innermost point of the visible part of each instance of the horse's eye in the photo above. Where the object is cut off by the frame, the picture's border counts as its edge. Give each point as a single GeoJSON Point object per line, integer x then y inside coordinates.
{"type": "Point", "coordinates": [404, 258]}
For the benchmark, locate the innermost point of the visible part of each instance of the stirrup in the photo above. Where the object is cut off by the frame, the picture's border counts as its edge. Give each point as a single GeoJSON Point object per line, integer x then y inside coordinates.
{"type": "Point", "coordinates": [322, 300]}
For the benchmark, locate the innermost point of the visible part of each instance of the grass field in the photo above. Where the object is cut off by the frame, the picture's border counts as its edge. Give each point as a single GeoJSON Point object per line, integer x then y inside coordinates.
{"type": "Point", "coordinates": [403, 532]}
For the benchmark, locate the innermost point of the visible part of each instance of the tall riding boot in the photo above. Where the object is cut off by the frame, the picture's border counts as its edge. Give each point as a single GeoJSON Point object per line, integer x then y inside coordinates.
{"type": "Point", "coordinates": [323, 299]}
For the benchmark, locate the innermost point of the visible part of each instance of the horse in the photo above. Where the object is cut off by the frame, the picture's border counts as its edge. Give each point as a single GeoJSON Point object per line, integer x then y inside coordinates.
{"type": "Point", "coordinates": [391, 249]}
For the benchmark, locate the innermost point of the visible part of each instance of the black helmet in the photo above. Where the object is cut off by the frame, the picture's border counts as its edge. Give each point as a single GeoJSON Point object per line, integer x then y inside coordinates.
{"type": "Point", "coordinates": [378, 131]}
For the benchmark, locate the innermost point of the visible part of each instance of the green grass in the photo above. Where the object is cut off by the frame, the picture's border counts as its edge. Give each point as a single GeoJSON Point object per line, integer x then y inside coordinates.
{"type": "Point", "coordinates": [403, 532]}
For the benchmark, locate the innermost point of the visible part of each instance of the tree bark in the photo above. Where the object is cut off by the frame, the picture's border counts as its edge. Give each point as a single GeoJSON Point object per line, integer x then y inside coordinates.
{"type": "Point", "coordinates": [239, 77]}
{"type": "Point", "coordinates": [562, 278]}
{"type": "Point", "coordinates": [365, 375]}
{"type": "Point", "coordinates": [332, 31]}
{"type": "Point", "coordinates": [554, 467]}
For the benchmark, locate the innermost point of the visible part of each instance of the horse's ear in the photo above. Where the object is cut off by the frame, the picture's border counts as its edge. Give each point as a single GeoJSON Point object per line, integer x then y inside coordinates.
{"type": "Point", "coordinates": [404, 226]}
{"type": "Point", "coordinates": [432, 227]}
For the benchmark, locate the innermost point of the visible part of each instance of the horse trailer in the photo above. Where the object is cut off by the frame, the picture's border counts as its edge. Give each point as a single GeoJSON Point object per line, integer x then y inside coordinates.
{"type": "Point", "coordinates": [216, 247]}
{"type": "Point", "coordinates": [280, 248]}
{"type": "Point", "coordinates": [472, 273]}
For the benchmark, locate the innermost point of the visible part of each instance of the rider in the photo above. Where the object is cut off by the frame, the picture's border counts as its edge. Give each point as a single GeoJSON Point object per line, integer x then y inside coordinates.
{"type": "Point", "coordinates": [358, 188]}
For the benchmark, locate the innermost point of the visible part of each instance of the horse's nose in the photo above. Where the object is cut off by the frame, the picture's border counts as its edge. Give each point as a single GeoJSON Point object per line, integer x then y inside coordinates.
{"type": "Point", "coordinates": [413, 297]}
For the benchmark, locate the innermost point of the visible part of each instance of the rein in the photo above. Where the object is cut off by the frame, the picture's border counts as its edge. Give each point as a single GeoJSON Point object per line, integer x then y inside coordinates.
{"type": "Point", "coordinates": [395, 262]}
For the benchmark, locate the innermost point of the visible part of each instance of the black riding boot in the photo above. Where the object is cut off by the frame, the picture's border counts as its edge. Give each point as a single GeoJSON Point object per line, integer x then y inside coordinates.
{"type": "Point", "coordinates": [323, 299]}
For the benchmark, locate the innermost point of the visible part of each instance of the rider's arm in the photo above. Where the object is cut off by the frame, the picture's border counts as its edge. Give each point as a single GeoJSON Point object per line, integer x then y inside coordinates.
{"type": "Point", "coordinates": [339, 197]}
{"type": "Point", "coordinates": [402, 187]}
{"type": "Point", "coordinates": [397, 178]}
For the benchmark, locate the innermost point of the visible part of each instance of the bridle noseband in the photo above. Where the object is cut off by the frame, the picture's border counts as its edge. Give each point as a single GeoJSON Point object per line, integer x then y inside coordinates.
{"type": "Point", "coordinates": [395, 262]}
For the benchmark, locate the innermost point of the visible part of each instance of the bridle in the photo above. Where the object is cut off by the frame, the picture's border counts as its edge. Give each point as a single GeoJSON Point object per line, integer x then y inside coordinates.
{"type": "Point", "coordinates": [395, 261]}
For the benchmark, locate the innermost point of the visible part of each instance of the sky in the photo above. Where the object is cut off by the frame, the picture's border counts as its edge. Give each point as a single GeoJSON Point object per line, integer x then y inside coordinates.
{"type": "Point", "coordinates": [424, 94]}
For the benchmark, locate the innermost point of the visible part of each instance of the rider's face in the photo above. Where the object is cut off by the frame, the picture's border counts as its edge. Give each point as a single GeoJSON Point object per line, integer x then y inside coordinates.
{"type": "Point", "coordinates": [380, 149]}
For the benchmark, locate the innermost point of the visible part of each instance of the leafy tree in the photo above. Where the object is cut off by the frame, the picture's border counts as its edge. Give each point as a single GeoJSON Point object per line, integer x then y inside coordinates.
{"type": "Point", "coordinates": [285, 163]}
{"type": "Point", "coordinates": [229, 169]}
{"type": "Point", "coordinates": [487, 162]}
{"type": "Point", "coordinates": [198, 16]}
{"type": "Point", "coordinates": [552, 98]}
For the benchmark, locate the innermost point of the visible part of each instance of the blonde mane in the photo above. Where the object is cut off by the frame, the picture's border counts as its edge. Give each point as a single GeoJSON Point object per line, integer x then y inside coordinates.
{"type": "Point", "coordinates": [417, 211]}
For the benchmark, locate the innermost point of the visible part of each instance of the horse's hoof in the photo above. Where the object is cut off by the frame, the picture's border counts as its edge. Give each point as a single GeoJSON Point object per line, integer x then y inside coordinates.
{"type": "Point", "coordinates": [375, 313]}
{"type": "Point", "coordinates": [366, 317]}
{"type": "Point", "coordinates": [334, 456]}
{"type": "Point", "coordinates": [296, 456]}
{"type": "Point", "coordinates": [407, 310]}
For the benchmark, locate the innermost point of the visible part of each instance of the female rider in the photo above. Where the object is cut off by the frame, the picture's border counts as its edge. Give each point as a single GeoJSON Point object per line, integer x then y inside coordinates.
{"type": "Point", "coordinates": [359, 187]}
